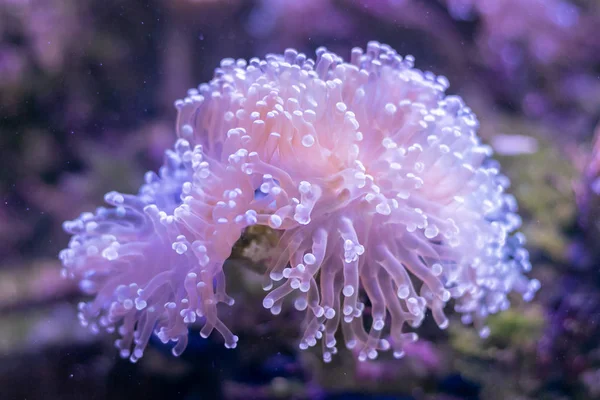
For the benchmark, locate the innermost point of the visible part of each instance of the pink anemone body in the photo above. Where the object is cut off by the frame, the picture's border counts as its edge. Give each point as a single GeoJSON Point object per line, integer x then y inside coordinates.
{"type": "Point", "coordinates": [386, 201]}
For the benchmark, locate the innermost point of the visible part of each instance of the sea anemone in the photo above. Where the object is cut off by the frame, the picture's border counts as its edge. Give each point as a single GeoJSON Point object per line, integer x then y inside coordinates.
{"type": "Point", "coordinates": [385, 201]}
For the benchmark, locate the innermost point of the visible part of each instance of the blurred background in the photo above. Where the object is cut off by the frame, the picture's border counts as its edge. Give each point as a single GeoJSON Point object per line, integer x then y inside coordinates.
{"type": "Point", "coordinates": [86, 106]}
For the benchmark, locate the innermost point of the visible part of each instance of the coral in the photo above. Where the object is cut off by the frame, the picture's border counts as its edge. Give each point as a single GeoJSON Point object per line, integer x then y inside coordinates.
{"type": "Point", "coordinates": [545, 194]}
{"type": "Point", "coordinates": [386, 203]}
{"type": "Point", "coordinates": [543, 54]}
{"type": "Point", "coordinates": [517, 328]}
{"type": "Point", "coordinates": [572, 331]}
{"type": "Point", "coordinates": [587, 192]}
{"type": "Point", "coordinates": [544, 29]}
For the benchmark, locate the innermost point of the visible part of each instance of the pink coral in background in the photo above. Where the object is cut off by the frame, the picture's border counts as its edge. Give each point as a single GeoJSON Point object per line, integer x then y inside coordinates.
{"type": "Point", "coordinates": [548, 31]}
{"type": "Point", "coordinates": [377, 182]}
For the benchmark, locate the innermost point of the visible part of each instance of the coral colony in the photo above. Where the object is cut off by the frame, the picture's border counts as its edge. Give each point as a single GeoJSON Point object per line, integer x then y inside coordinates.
{"type": "Point", "coordinates": [385, 200]}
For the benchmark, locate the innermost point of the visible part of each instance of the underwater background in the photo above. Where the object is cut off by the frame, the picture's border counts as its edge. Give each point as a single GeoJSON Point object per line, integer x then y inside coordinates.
{"type": "Point", "coordinates": [86, 107]}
